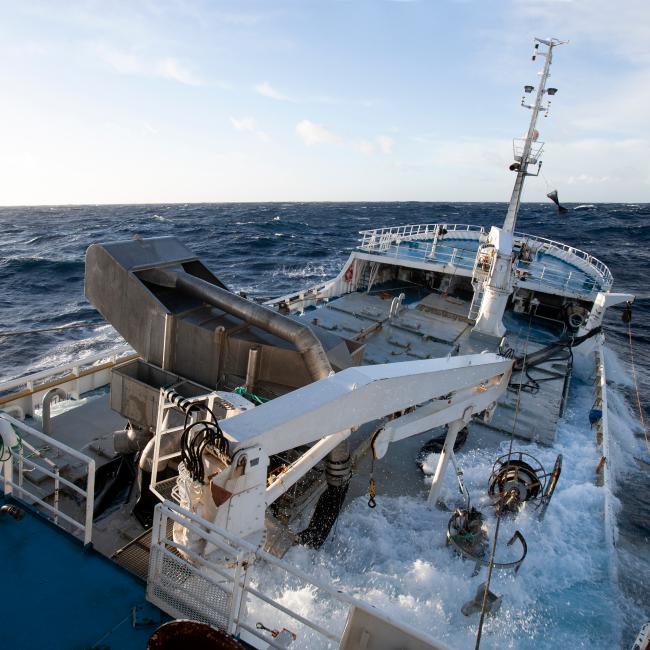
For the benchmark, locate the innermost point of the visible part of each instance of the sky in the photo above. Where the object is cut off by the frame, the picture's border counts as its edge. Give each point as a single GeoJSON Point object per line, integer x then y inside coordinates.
{"type": "Point", "coordinates": [377, 100]}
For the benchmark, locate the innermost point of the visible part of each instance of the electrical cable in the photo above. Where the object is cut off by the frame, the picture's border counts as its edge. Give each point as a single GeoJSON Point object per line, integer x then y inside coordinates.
{"type": "Point", "coordinates": [199, 435]}
{"type": "Point", "coordinates": [194, 443]}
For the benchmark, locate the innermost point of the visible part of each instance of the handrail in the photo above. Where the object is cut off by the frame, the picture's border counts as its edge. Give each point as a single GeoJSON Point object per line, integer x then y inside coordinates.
{"type": "Point", "coordinates": [50, 469]}
{"type": "Point", "coordinates": [237, 585]}
{"type": "Point", "coordinates": [411, 231]}
{"type": "Point", "coordinates": [387, 241]}
{"type": "Point", "coordinates": [31, 379]}
{"type": "Point", "coordinates": [600, 266]}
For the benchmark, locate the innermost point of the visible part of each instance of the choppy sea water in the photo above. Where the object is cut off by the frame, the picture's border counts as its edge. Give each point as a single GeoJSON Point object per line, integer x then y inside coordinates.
{"type": "Point", "coordinates": [270, 249]}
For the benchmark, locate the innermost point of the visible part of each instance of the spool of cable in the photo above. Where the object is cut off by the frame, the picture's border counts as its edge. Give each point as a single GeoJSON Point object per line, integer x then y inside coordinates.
{"type": "Point", "coordinates": [576, 320]}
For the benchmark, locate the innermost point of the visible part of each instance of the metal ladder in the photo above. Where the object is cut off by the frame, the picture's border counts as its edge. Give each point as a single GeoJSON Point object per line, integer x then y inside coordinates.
{"type": "Point", "coordinates": [476, 302]}
{"type": "Point", "coordinates": [479, 275]}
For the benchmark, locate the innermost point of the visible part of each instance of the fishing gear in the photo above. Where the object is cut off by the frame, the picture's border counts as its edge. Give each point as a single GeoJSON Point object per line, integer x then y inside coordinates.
{"type": "Point", "coordinates": [553, 196]}
{"type": "Point", "coordinates": [518, 478]}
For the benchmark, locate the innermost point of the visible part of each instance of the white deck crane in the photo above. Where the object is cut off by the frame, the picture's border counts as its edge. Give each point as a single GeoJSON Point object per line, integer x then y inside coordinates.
{"type": "Point", "coordinates": [418, 395]}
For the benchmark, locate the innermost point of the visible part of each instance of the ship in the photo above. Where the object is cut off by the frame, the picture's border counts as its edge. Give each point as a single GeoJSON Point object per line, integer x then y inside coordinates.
{"type": "Point", "coordinates": [157, 498]}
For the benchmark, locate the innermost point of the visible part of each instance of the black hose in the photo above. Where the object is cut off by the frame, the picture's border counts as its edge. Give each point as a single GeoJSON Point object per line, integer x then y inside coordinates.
{"type": "Point", "coordinates": [327, 511]}
{"type": "Point", "coordinates": [195, 438]}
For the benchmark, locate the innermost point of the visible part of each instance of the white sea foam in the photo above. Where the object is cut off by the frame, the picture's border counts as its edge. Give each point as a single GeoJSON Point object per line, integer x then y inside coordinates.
{"type": "Point", "coordinates": [616, 369]}
{"type": "Point", "coordinates": [307, 271]}
{"type": "Point", "coordinates": [103, 339]}
{"type": "Point", "coordinates": [395, 557]}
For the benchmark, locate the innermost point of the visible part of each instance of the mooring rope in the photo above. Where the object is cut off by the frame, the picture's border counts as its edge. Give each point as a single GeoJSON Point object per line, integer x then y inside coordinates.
{"type": "Point", "coordinates": [636, 386]}
{"type": "Point", "coordinates": [57, 328]}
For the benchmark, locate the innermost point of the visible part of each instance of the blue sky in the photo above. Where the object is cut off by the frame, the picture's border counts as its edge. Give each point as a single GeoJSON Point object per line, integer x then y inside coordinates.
{"type": "Point", "coordinates": [181, 101]}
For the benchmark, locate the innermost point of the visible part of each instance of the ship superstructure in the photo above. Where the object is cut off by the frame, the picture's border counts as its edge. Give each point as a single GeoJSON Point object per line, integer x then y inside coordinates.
{"type": "Point", "coordinates": [234, 431]}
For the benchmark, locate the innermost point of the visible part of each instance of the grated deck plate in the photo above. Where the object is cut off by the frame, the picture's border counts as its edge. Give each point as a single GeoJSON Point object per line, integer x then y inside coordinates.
{"type": "Point", "coordinates": [134, 557]}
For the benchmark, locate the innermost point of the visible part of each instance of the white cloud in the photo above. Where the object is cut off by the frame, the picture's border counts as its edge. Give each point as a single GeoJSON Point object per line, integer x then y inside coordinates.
{"type": "Point", "coordinates": [120, 61]}
{"type": "Point", "coordinates": [386, 144]}
{"type": "Point", "coordinates": [249, 125]}
{"type": "Point", "coordinates": [586, 179]}
{"type": "Point", "coordinates": [266, 90]}
{"type": "Point", "coordinates": [130, 63]}
{"type": "Point", "coordinates": [244, 124]}
{"type": "Point", "coordinates": [312, 133]}
{"type": "Point", "coordinates": [171, 68]}
{"type": "Point", "coordinates": [622, 27]}
{"type": "Point", "coordinates": [365, 147]}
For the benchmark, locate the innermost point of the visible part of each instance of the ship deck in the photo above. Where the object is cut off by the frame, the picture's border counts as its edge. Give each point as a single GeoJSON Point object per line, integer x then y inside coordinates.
{"type": "Point", "coordinates": [431, 325]}
{"type": "Point", "coordinates": [58, 593]}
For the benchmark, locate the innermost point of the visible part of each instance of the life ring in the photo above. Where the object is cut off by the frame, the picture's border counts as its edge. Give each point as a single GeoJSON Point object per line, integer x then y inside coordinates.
{"type": "Point", "coordinates": [349, 274]}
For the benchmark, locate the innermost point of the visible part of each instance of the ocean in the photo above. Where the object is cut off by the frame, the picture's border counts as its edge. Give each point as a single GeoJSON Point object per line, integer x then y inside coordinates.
{"type": "Point", "coordinates": [269, 249]}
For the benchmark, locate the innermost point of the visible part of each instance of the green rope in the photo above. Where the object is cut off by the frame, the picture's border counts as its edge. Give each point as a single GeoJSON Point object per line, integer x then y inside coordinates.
{"type": "Point", "coordinates": [10, 450]}
{"type": "Point", "coordinates": [258, 399]}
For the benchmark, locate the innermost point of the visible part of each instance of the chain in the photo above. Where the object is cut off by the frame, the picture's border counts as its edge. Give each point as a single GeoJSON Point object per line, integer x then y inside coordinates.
{"type": "Point", "coordinates": [371, 486]}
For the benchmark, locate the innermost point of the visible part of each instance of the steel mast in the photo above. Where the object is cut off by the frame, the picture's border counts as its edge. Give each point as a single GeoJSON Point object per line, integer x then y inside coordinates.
{"type": "Point", "coordinates": [531, 151]}
{"type": "Point", "coordinates": [492, 287]}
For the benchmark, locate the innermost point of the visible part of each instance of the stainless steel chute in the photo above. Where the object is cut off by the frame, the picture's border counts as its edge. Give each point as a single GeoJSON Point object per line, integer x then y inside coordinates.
{"type": "Point", "coordinates": [181, 318]}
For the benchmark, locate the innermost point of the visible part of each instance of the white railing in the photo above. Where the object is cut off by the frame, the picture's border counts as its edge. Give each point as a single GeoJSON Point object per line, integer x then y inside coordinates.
{"type": "Point", "coordinates": [30, 462]}
{"type": "Point", "coordinates": [603, 440]}
{"type": "Point", "coordinates": [395, 242]}
{"type": "Point", "coordinates": [25, 394]}
{"type": "Point", "coordinates": [601, 268]}
{"type": "Point", "coordinates": [187, 585]}
{"type": "Point", "coordinates": [527, 274]}
{"type": "Point", "coordinates": [382, 238]}
{"type": "Point", "coordinates": [32, 380]}
{"type": "Point", "coordinates": [518, 146]}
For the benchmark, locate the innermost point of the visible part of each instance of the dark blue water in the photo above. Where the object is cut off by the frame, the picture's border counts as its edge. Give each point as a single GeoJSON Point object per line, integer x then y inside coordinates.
{"type": "Point", "coordinates": [270, 249]}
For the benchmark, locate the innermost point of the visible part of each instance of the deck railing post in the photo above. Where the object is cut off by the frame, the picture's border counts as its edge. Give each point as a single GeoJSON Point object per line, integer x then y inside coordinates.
{"type": "Point", "coordinates": [57, 486]}
{"type": "Point", "coordinates": [90, 503]}
{"type": "Point", "coordinates": [8, 475]}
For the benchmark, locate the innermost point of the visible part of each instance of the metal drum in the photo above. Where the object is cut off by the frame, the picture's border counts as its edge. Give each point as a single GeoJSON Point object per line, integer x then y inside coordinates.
{"type": "Point", "coordinates": [182, 634]}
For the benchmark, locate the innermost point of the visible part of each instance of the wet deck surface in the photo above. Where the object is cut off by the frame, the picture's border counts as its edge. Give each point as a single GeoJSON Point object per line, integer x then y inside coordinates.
{"type": "Point", "coordinates": [64, 597]}
{"type": "Point", "coordinates": [430, 325]}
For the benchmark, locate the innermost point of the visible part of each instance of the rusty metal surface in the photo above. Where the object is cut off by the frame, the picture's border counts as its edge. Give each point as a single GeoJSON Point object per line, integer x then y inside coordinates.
{"type": "Point", "coordinates": [185, 634]}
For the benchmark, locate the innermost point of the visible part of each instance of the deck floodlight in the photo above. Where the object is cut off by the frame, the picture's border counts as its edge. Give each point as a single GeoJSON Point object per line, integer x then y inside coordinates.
{"type": "Point", "coordinates": [529, 89]}
{"type": "Point", "coordinates": [551, 91]}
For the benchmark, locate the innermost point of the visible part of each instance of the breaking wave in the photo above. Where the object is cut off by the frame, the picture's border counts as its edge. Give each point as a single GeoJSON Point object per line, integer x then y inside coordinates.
{"type": "Point", "coordinates": [396, 558]}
